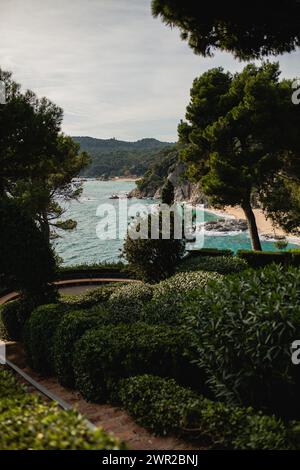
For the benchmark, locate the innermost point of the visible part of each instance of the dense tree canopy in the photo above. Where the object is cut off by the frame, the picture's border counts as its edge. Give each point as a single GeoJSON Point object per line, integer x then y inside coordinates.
{"type": "Point", "coordinates": [242, 132]}
{"type": "Point", "coordinates": [37, 161]}
{"type": "Point", "coordinates": [246, 29]}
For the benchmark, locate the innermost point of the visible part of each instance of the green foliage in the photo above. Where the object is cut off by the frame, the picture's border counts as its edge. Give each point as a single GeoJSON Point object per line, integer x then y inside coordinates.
{"type": "Point", "coordinates": [103, 356]}
{"type": "Point", "coordinates": [183, 282]}
{"type": "Point", "coordinates": [38, 162]}
{"type": "Point", "coordinates": [126, 303]}
{"type": "Point", "coordinates": [153, 259]}
{"type": "Point", "coordinates": [246, 30]}
{"type": "Point", "coordinates": [243, 327]}
{"type": "Point", "coordinates": [167, 194]}
{"type": "Point", "coordinates": [39, 333]}
{"type": "Point", "coordinates": [111, 157]}
{"type": "Point", "coordinates": [29, 423]}
{"type": "Point", "coordinates": [90, 270]}
{"type": "Point", "coordinates": [13, 316]}
{"type": "Point", "coordinates": [154, 177]}
{"type": "Point", "coordinates": [241, 132]}
{"type": "Point", "coordinates": [210, 252]}
{"type": "Point", "coordinates": [73, 325]}
{"type": "Point", "coordinates": [259, 259]}
{"type": "Point", "coordinates": [219, 264]}
{"type": "Point", "coordinates": [89, 298]}
{"type": "Point", "coordinates": [26, 258]}
{"type": "Point", "coordinates": [165, 407]}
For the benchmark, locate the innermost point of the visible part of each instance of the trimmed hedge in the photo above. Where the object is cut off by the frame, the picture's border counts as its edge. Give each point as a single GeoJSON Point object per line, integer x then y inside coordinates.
{"type": "Point", "coordinates": [184, 282]}
{"type": "Point", "coordinates": [90, 298]}
{"type": "Point", "coordinates": [29, 423]}
{"type": "Point", "coordinates": [243, 327]}
{"type": "Point", "coordinates": [126, 303]}
{"type": "Point", "coordinates": [13, 316]}
{"type": "Point", "coordinates": [39, 332]}
{"type": "Point", "coordinates": [260, 259]}
{"type": "Point", "coordinates": [210, 252]}
{"type": "Point", "coordinates": [102, 357]}
{"type": "Point", "coordinates": [70, 329]}
{"type": "Point", "coordinates": [217, 264]}
{"type": "Point", "coordinates": [92, 270]}
{"type": "Point", "coordinates": [164, 407]}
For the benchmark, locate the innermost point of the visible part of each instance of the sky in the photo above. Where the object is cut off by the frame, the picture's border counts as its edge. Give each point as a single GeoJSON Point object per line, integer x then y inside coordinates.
{"type": "Point", "coordinates": [114, 69]}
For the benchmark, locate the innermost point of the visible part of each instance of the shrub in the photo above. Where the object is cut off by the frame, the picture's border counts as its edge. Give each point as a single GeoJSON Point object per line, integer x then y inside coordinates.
{"type": "Point", "coordinates": [245, 325]}
{"type": "Point", "coordinates": [26, 257]}
{"type": "Point", "coordinates": [38, 336]}
{"type": "Point", "coordinates": [102, 357]}
{"type": "Point", "coordinates": [217, 264]}
{"type": "Point", "coordinates": [126, 303]}
{"type": "Point", "coordinates": [165, 407]}
{"type": "Point", "coordinates": [184, 282]}
{"type": "Point", "coordinates": [153, 259]}
{"type": "Point", "coordinates": [209, 252]}
{"type": "Point", "coordinates": [260, 259]}
{"type": "Point", "coordinates": [13, 315]}
{"type": "Point", "coordinates": [91, 270]}
{"type": "Point", "coordinates": [70, 329]}
{"type": "Point", "coordinates": [27, 422]}
{"type": "Point", "coordinates": [89, 298]}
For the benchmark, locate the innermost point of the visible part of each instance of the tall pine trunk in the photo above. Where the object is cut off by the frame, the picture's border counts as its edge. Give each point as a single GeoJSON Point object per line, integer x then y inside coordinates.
{"type": "Point", "coordinates": [255, 241]}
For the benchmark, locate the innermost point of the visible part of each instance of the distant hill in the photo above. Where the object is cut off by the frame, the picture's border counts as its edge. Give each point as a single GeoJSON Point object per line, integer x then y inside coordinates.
{"type": "Point", "coordinates": [112, 157]}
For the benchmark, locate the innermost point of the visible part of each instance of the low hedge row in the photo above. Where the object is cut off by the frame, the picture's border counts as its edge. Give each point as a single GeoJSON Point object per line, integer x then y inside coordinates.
{"type": "Point", "coordinates": [165, 407]}
{"type": "Point", "coordinates": [38, 337]}
{"type": "Point", "coordinates": [259, 259]}
{"type": "Point", "coordinates": [217, 264]}
{"type": "Point", "coordinates": [104, 356]}
{"type": "Point", "coordinates": [210, 252]}
{"type": "Point", "coordinates": [28, 423]}
{"type": "Point", "coordinates": [92, 270]}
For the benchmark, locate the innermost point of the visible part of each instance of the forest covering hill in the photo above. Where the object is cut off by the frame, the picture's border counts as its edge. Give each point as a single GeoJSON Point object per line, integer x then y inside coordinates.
{"type": "Point", "coordinates": [112, 157]}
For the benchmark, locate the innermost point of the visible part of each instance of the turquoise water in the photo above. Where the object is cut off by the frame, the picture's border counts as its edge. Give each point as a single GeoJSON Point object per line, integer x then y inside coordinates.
{"type": "Point", "coordinates": [83, 246]}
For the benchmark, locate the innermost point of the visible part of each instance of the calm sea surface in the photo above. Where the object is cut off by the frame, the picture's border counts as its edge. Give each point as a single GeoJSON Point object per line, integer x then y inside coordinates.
{"type": "Point", "coordinates": [83, 246]}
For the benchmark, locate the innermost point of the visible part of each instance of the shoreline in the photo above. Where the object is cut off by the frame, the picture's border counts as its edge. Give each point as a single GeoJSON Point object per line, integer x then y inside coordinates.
{"type": "Point", "coordinates": [264, 225]}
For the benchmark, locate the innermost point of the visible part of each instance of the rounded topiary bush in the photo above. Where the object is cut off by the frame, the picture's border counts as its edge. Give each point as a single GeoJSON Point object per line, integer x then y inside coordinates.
{"type": "Point", "coordinates": [243, 328]}
{"type": "Point", "coordinates": [126, 303]}
{"type": "Point", "coordinates": [104, 356]}
{"type": "Point", "coordinates": [70, 329]}
{"type": "Point", "coordinates": [39, 332]}
{"type": "Point", "coordinates": [13, 316]}
{"type": "Point", "coordinates": [184, 282]}
{"type": "Point", "coordinates": [217, 264]}
{"type": "Point", "coordinates": [90, 298]}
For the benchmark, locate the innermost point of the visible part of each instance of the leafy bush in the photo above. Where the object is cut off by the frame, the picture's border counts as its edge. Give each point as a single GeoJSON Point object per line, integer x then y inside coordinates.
{"type": "Point", "coordinates": [90, 298]}
{"type": "Point", "coordinates": [13, 315]}
{"type": "Point", "coordinates": [39, 331]}
{"type": "Point", "coordinates": [91, 270]}
{"type": "Point", "coordinates": [26, 258]}
{"type": "Point", "coordinates": [217, 264]}
{"type": "Point", "coordinates": [245, 325]}
{"type": "Point", "coordinates": [165, 407]}
{"type": "Point", "coordinates": [27, 422]}
{"type": "Point", "coordinates": [103, 356]}
{"type": "Point", "coordinates": [260, 259]}
{"type": "Point", "coordinates": [153, 259]}
{"type": "Point", "coordinates": [210, 252]}
{"type": "Point", "coordinates": [126, 303]}
{"type": "Point", "coordinates": [70, 329]}
{"type": "Point", "coordinates": [184, 282]}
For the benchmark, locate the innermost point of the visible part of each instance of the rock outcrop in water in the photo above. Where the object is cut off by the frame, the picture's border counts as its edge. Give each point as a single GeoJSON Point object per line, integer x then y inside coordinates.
{"type": "Point", "coordinates": [226, 225]}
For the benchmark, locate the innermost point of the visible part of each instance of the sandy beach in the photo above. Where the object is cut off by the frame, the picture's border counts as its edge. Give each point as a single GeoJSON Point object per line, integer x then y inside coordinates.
{"type": "Point", "coordinates": [264, 225]}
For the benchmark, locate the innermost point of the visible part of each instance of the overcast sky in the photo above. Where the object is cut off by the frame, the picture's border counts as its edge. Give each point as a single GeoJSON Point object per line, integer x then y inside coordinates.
{"type": "Point", "coordinates": [114, 69]}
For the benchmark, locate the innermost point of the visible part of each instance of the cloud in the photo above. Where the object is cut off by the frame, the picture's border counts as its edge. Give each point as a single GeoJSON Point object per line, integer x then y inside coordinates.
{"type": "Point", "coordinates": [114, 69]}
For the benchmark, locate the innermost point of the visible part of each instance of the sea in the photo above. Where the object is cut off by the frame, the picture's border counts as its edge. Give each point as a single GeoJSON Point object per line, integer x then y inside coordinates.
{"type": "Point", "coordinates": [83, 245]}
